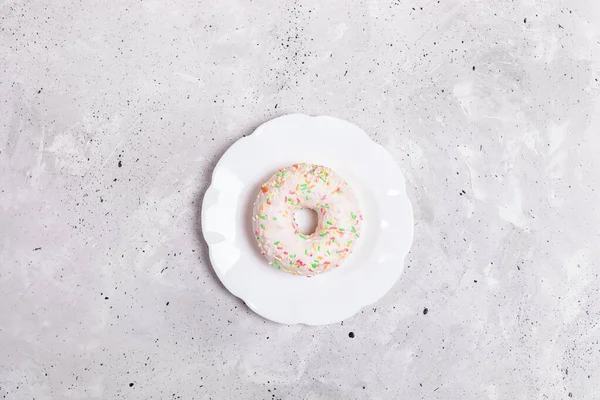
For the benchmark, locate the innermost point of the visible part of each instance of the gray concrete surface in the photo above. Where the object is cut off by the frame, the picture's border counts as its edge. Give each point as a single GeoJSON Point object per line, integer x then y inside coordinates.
{"type": "Point", "coordinates": [113, 115]}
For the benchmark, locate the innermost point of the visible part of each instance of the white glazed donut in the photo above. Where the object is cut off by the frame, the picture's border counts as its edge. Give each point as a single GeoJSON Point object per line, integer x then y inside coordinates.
{"type": "Point", "coordinates": [276, 232]}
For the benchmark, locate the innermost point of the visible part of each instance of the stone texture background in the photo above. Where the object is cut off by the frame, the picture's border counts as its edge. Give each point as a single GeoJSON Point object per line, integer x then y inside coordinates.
{"type": "Point", "coordinates": [113, 115]}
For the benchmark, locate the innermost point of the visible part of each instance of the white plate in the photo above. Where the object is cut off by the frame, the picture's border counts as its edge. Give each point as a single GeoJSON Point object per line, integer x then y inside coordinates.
{"type": "Point", "coordinates": [378, 259]}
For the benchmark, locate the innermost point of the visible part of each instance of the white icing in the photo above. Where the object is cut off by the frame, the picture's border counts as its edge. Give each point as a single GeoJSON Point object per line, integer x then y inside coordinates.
{"type": "Point", "coordinates": [277, 234]}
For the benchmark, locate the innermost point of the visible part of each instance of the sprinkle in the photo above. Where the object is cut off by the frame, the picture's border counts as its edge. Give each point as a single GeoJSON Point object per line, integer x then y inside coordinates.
{"type": "Point", "coordinates": [276, 243]}
{"type": "Point", "coordinates": [262, 226]}
{"type": "Point", "coordinates": [306, 197]}
{"type": "Point", "coordinates": [268, 200]}
{"type": "Point", "coordinates": [274, 218]}
{"type": "Point", "coordinates": [277, 185]}
{"type": "Point", "coordinates": [323, 234]}
{"type": "Point", "coordinates": [352, 215]}
{"type": "Point", "coordinates": [329, 223]}
{"type": "Point", "coordinates": [306, 252]}
{"type": "Point", "coordinates": [262, 216]}
{"type": "Point", "coordinates": [323, 179]}
{"type": "Point", "coordinates": [264, 189]}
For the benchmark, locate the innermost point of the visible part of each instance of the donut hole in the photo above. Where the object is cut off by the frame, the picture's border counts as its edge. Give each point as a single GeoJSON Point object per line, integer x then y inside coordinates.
{"type": "Point", "coordinates": [306, 220]}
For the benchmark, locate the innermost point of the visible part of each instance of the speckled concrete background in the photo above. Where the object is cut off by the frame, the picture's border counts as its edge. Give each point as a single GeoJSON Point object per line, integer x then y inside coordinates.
{"type": "Point", "coordinates": [113, 115]}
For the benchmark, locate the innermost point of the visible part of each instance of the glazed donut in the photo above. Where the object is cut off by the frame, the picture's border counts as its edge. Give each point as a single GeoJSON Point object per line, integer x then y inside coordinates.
{"type": "Point", "coordinates": [275, 229]}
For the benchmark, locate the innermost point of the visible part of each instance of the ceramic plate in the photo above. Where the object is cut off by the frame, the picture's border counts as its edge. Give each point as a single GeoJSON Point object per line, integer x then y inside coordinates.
{"type": "Point", "coordinates": [378, 258]}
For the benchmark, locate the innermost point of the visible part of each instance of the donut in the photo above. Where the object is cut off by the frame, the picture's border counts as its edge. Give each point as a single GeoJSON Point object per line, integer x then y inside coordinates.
{"type": "Point", "coordinates": [275, 229]}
